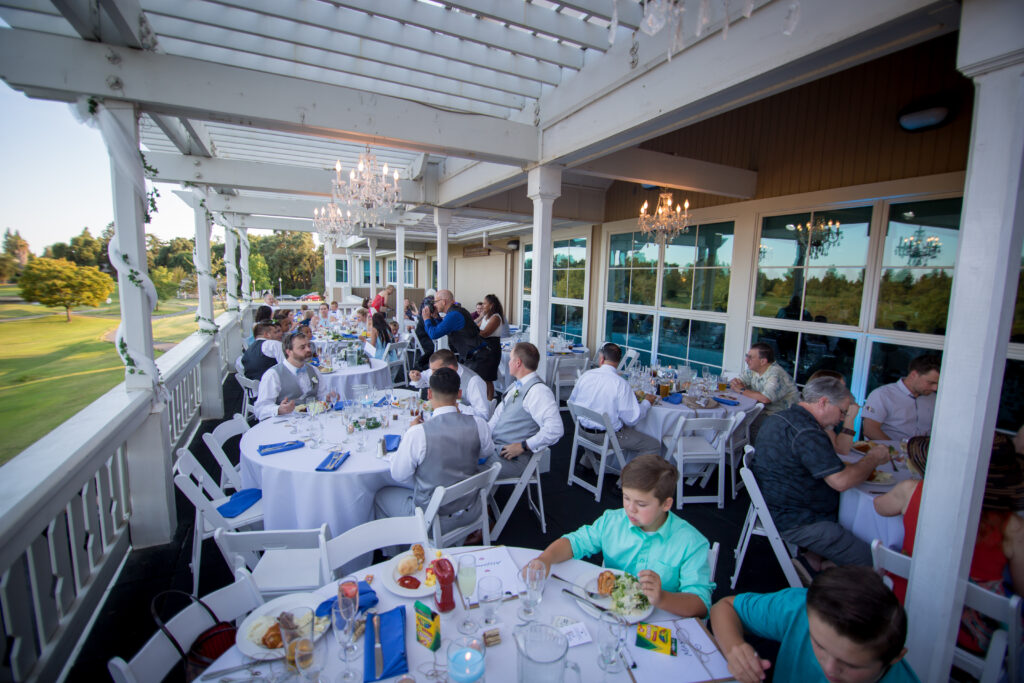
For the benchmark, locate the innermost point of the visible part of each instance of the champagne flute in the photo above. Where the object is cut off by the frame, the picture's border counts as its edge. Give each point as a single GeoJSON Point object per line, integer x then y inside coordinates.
{"type": "Point", "coordinates": [342, 619]}
{"type": "Point", "coordinates": [467, 584]}
{"type": "Point", "coordinates": [535, 573]}
{"type": "Point", "coordinates": [348, 600]}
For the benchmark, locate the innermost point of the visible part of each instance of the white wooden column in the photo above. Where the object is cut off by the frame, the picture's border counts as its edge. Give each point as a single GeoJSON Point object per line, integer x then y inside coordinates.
{"type": "Point", "coordinates": [442, 219]}
{"type": "Point", "coordinates": [148, 449]}
{"type": "Point", "coordinates": [352, 263]}
{"type": "Point", "coordinates": [373, 267]}
{"type": "Point", "coordinates": [543, 186]}
{"type": "Point", "coordinates": [991, 52]}
{"type": "Point", "coordinates": [231, 266]}
{"type": "Point", "coordinates": [328, 273]}
{"type": "Point", "coordinates": [212, 406]}
{"type": "Point", "coordinates": [399, 301]}
{"type": "Point", "coordinates": [243, 266]}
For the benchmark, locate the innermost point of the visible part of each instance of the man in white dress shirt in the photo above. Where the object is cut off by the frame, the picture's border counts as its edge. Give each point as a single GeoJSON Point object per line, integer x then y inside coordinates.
{"type": "Point", "coordinates": [905, 408]}
{"type": "Point", "coordinates": [527, 418]}
{"type": "Point", "coordinates": [265, 351]}
{"type": "Point", "coordinates": [291, 382]}
{"type": "Point", "coordinates": [474, 390]}
{"type": "Point", "coordinates": [603, 390]}
{"type": "Point", "coordinates": [442, 451]}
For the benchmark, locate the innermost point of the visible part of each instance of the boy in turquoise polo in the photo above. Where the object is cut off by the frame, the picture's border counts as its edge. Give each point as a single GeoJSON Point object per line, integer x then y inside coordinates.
{"type": "Point", "coordinates": [646, 539]}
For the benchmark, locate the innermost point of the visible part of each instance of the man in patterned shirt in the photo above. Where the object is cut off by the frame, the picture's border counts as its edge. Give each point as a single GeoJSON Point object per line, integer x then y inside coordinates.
{"type": "Point", "coordinates": [766, 382]}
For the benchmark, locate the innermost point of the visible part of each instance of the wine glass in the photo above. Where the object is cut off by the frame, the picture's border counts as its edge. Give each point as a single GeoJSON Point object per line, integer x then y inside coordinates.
{"type": "Point", "coordinates": [343, 621]}
{"type": "Point", "coordinates": [466, 659]}
{"type": "Point", "coordinates": [467, 584]}
{"type": "Point", "coordinates": [611, 635]}
{"type": "Point", "coordinates": [534, 574]}
{"type": "Point", "coordinates": [490, 595]}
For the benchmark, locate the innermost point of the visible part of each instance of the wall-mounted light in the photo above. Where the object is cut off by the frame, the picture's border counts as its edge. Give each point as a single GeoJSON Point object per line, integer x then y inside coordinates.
{"type": "Point", "coordinates": [926, 114]}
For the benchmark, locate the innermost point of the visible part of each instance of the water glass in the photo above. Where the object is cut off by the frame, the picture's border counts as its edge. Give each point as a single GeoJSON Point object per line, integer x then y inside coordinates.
{"type": "Point", "coordinates": [534, 574]}
{"type": "Point", "coordinates": [611, 635]}
{"type": "Point", "coordinates": [490, 594]}
{"type": "Point", "coordinates": [301, 654]}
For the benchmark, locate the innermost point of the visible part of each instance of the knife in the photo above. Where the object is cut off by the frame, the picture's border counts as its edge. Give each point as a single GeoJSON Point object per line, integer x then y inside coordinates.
{"type": "Point", "coordinates": [230, 670]}
{"type": "Point", "coordinates": [586, 600]}
{"type": "Point", "coordinates": [378, 651]}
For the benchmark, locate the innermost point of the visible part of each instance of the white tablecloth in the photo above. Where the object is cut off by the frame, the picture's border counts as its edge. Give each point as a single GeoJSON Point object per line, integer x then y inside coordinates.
{"type": "Point", "coordinates": [501, 660]}
{"type": "Point", "coordinates": [504, 379]}
{"type": "Point", "coordinates": [661, 419]}
{"type": "Point", "coordinates": [343, 379]}
{"type": "Point", "coordinates": [857, 508]}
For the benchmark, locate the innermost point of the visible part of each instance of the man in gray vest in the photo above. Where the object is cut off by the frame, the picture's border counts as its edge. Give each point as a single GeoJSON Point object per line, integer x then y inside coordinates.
{"type": "Point", "coordinates": [527, 418]}
{"type": "Point", "coordinates": [442, 451]}
{"type": "Point", "coordinates": [474, 391]}
{"type": "Point", "coordinates": [292, 382]}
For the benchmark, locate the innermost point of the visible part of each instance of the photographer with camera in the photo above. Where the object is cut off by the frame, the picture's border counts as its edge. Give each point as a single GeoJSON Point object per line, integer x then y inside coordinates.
{"type": "Point", "coordinates": [457, 324]}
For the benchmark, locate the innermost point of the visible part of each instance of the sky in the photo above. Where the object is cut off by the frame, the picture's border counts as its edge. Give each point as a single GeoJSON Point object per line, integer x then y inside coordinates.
{"type": "Point", "coordinates": [55, 177]}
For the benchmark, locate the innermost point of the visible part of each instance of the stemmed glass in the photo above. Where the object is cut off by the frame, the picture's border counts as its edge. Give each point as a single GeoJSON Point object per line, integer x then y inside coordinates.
{"type": "Point", "coordinates": [490, 595]}
{"type": "Point", "coordinates": [610, 637]}
{"type": "Point", "coordinates": [467, 584]}
{"type": "Point", "coordinates": [343, 617]}
{"type": "Point", "coordinates": [534, 574]}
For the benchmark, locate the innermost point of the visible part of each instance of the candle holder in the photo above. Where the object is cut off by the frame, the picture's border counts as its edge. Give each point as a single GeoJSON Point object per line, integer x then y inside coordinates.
{"type": "Point", "coordinates": [466, 659]}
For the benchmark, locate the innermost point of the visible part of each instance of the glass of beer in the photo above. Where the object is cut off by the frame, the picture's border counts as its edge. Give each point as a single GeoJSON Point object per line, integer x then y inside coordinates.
{"type": "Point", "coordinates": [664, 388]}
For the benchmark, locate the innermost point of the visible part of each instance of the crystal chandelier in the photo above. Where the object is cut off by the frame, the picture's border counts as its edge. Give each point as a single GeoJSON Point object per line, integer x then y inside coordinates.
{"type": "Point", "coordinates": [818, 236]}
{"type": "Point", "coordinates": [667, 220]}
{"type": "Point", "coordinates": [919, 249]}
{"type": "Point", "coordinates": [367, 198]}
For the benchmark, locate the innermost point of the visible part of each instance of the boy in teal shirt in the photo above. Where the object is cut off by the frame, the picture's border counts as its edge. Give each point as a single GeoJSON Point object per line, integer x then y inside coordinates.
{"type": "Point", "coordinates": [847, 627]}
{"type": "Point", "coordinates": [646, 539]}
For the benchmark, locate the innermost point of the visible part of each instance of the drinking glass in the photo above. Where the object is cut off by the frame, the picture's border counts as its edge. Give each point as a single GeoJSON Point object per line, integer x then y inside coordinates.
{"type": "Point", "coordinates": [467, 584]}
{"type": "Point", "coordinates": [466, 659]}
{"type": "Point", "coordinates": [490, 594]}
{"type": "Point", "coordinates": [301, 653]}
{"type": "Point", "coordinates": [348, 602]}
{"type": "Point", "coordinates": [611, 635]}
{"type": "Point", "coordinates": [316, 431]}
{"type": "Point", "coordinates": [343, 626]}
{"type": "Point", "coordinates": [535, 573]}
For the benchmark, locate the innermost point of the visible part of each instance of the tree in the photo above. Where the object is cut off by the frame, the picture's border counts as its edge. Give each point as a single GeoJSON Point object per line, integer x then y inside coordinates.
{"type": "Point", "coordinates": [9, 267]}
{"type": "Point", "coordinates": [59, 282]}
{"type": "Point", "coordinates": [86, 250]}
{"type": "Point", "coordinates": [177, 254]}
{"type": "Point", "coordinates": [259, 272]}
{"type": "Point", "coordinates": [166, 282]}
{"type": "Point", "coordinates": [291, 257]}
{"type": "Point", "coordinates": [16, 246]}
{"type": "Point", "coordinates": [153, 246]}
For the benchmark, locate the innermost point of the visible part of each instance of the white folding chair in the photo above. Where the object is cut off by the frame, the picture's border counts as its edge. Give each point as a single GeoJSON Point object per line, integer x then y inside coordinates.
{"type": "Point", "coordinates": [199, 487]}
{"type": "Point", "coordinates": [759, 523]}
{"type": "Point", "coordinates": [397, 351]}
{"type": "Point", "coordinates": [281, 562]}
{"type": "Point", "coordinates": [158, 656]}
{"type": "Point", "coordinates": [239, 368]}
{"type": "Point", "coordinates": [600, 444]}
{"type": "Point", "coordinates": [713, 558]}
{"type": "Point", "coordinates": [540, 463]}
{"type": "Point", "coordinates": [565, 370]}
{"type": "Point", "coordinates": [628, 358]}
{"type": "Point", "coordinates": [230, 475]}
{"type": "Point", "coordinates": [696, 449]}
{"type": "Point", "coordinates": [380, 533]}
{"type": "Point", "coordinates": [1003, 648]}
{"type": "Point", "coordinates": [250, 388]}
{"type": "Point", "coordinates": [480, 484]}
{"type": "Point", "coordinates": [739, 439]}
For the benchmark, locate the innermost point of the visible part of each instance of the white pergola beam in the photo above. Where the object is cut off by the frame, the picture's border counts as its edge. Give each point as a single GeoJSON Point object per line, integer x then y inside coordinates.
{"type": "Point", "coordinates": [269, 223]}
{"type": "Point", "coordinates": [259, 206]}
{"type": "Point", "coordinates": [182, 86]}
{"type": "Point", "coordinates": [630, 13]}
{"type": "Point", "coordinates": [643, 166]}
{"type": "Point", "coordinates": [542, 20]}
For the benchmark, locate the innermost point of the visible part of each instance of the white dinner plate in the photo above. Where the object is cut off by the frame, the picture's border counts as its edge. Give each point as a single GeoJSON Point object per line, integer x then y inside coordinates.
{"type": "Point", "coordinates": [591, 585]}
{"type": "Point", "coordinates": [389, 577]}
{"type": "Point", "coordinates": [272, 609]}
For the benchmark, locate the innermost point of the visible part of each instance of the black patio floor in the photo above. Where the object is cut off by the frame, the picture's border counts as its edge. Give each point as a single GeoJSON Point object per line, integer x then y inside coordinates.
{"type": "Point", "coordinates": [124, 622]}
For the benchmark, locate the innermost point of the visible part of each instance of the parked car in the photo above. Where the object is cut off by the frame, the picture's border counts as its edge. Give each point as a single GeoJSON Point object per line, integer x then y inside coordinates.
{"type": "Point", "coordinates": [286, 297]}
{"type": "Point", "coordinates": [312, 296]}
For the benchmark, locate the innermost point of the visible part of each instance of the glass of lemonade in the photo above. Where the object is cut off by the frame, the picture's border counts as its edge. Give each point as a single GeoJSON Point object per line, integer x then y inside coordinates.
{"type": "Point", "coordinates": [467, 584]}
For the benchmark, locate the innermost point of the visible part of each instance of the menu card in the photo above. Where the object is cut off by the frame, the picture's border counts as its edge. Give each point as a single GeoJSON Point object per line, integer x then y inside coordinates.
{"type": "Point", "coordinates": [496, 561]}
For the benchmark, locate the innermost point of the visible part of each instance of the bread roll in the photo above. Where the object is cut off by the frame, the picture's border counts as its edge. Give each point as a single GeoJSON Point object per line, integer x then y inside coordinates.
{"type": "Point", "coordinates": [605, 582]}
{"type": "Point", "coordinates": [408, 565]}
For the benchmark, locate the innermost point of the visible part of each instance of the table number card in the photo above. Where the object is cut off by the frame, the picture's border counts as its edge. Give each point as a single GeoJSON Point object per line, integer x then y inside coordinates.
{"type": "Point", "coordinates": [572, 629]}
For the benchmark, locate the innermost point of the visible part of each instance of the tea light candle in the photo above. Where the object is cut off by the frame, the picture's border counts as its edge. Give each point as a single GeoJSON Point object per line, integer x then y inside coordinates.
{"type": "Point", "coordinates": [466, 665]}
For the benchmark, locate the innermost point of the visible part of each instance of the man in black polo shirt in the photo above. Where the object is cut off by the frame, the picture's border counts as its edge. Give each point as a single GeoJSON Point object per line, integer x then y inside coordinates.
{"type": "Point", "coordinates": [457, 324]}
{"type": "Point", "coordinates": [801, 476]}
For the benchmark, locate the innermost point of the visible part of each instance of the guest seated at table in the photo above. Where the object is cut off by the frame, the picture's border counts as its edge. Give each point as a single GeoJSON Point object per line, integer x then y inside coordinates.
{"type": "Point", "coordinates": [393, 326]}
{"type": "Point", "coordinates": [846, 627]}
{"type": "Point", "coordinates": [292, 382]}
{"type": "Point", "coordinates": [265, 351]}
{"type": "Point", "coordinates": [380, 336]}
{"type": "Point", "coordinates": [474, 393]}
{"type": "Point", "coordinates": [463, 334]}
{"type": "Point", "coordinates": [801, 477]}
{"type": "Point", "coordinates": [527, 418]}
{"type": "Point", "coordinates": [604, 390]}
{"type": "Point", "coordinates": [269, 299]}
{"type": "Point", "coordinates": [842, 434]}
{"type": "Point", "coordinates": [322, 317]}
{"type": "Point", "coordinates": [766, 382]}
{"type": "Point", "coordinates": [334, 315]}
{"type": "Point", "coordinates": [263, 313]}
{"type": "Point", "coordinates": [646, 539]}
{"type": "Point", "coordinates": [359, 318]}
{"type": "Point", "coordinates": [283, 316]}
{"type": "Point", "coordinates": [1000, 542]}
{"type": "Point", "coordinates": [904, 408]}
{"type": "Point", "coordinates": [492, 328]}
{"type": "Point", "coordinates": [442, 451]}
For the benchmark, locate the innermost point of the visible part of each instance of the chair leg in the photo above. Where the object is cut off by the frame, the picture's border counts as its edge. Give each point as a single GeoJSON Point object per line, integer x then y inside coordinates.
{"type": "Point", "coordinates": [486, 528]}
{"type": "Point", "coordinates": [679, 484]}
{"type": "Point", "coordinates": [741, 547]}
{"type": "Point", "coordinates": [600, 477]}
{"type": "Point", "coordinates": [721, 481]}
{"type": "Point", "coordinates": [572, 459]}
{"type": "Point", "coordinates": [540, 506]}
{"type": "Point", "coordinates": [197, 552]}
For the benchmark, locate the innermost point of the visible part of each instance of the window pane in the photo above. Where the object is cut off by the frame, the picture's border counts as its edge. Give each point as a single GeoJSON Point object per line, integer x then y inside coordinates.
{"type": "Point", "coordinates": [915, 299]}
{"type": "Point", "coordinates": [618, 286]}
{"type": "Point", "coordinates": [779, 243]}
{"type": "Point", "coordinates": [673, 336]}
{"type": "Point", "coordinates": [642, 286]}
{"type": "Point", "coordinates": [341, 271]}
{"type": "Point", "coordinates": [1011, 400]}
{"type": "Point", "coordinates": [620, 248]}
{"type": "Point", "coordinates": [677, 287]}
{"type": "Point", "coordinates": [527, 281]}
{"type": "Point", "coordinates": [1017, 331]}
{"type": "Point", "coordinates": [783, 344]}
{"type": "Point", "coordinates": [714, 244]}
{"type": "Point", "coordinates": [923, 233]}
{"type": "Point", "coordinates": [820, 352]}
{"type": "Point", "coordinates": [834, 294]}
{"type": "Point", "coordinates": [645, 250]}
{"type": "Point", "coordinates": [778, 293]}
{"type": "Point", "coordinates": [526, 313]}
{"type": "Point", "coordinates": [852, 247]}
{"type": "Point", "coordinates": [528, 257]}
{"type": "Point", "coordinates": [557, 318]}
{"type": "Point", "coordinates": [433, 276]}
{"type": "Point", "coordinates": [681, 252]}
{"type": "Point", "coordinates": [641, 327]}
{"type": "Point", "coordinates": [575, 287]}
{"type": "Point", "coordinates": [574, 323]}
{"type": "Point", "coordinates": [560, 253]}
{"type": "Point", "coordinates": [711, 289]}
{"type": "Point", "coordinates": [707, 342]}
{"type": "Point", "coordinates": [615, 325]}
{"type": "Point", "coordinates": [578, 252]}
{"type": "Point", "coordinates": [889, 362]}
{"type": "Point", "coordinates": [560, 283]}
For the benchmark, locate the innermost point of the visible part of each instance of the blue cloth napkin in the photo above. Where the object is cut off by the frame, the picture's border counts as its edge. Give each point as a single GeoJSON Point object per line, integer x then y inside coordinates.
{"type": "Point", "coordinates": [325, 466]}
{"type": "Point", "coordinates": [350, 336]}
{"type": "Point", "coordinates": [392, 640]}
{"type": "Point", "coordinates": [381, 403]}
{"type": "Point", "coordinates": [391, 442]}
{"type": "Point", "coordinates": [726, 401]}
{"type": "Point", "coordinates": [579, 350]}
{"type": "Point", "coordinates": [674, 399]}
{"type": "Point", "coordinates": [239, 502]}
{"type": "Point", "coordinates": [344, 403]}
{"type": "Point", "coordinates": [315, 362]}
{"type": "Point", "coordinates": [271, 448]}
{"type": "Point", "coordinates": [367, 599]}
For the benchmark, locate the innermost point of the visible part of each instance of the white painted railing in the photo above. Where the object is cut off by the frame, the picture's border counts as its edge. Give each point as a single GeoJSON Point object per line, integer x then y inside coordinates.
{"type": "Point", "coordinates": [66, 504]}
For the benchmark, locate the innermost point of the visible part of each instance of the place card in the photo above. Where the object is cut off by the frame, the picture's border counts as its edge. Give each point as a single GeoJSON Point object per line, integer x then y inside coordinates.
{"type": "Point", "coordinates": [572, 629]}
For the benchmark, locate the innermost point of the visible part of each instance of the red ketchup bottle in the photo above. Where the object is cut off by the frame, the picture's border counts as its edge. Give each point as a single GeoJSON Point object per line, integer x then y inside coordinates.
{"type": "Point", "coordinates": [444, 590]}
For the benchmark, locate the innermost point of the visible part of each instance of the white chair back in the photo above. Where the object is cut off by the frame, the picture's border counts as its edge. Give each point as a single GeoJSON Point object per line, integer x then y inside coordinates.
{"type": "Point", "coordinates": [564, 371]}
{"type": "Point", "coordinates": [250, 388]}
{"type": "Point", "coordinates": [601, 444]}
{"type": "Point", "coordinates": [697, 449]}
{"type": "Point", "coordinates": [396, 356]}
{"type": "Point", "coordinates": [740, 438]}
{"type": "Point", "coordinates": [239, 368]}
{"type": "Point", "coordinates": [480, 483]}
{"type": "Point", "coordinates": [158, 656]}
{"type": "Point", "coordinates": [628, 358]}
{"type": "Point", "coordinates": [713, 558]}
{"type": "Point", "coordinates": [761, 524]}
{"type": "Point", "coordinates": [230, 476]}
{"type": "Point", "coordinates": [380, 533]}
{"type": "Point", "coordinates": [281, 562]}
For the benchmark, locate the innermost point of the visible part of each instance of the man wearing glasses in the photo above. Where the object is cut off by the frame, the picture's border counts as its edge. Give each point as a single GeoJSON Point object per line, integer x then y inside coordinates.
{"type": "Point", "coordinates": [292, 382]}
{"type": "Point", "coordinates": [801, 477]}
{"type": "Point", "coordinates": [457, 324]}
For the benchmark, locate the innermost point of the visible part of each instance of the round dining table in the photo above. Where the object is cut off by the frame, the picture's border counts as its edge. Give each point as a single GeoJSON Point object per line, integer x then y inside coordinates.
{"type": "Point", "coordinates": [857, 505]}
{"type": "Point", "coordinates": [501, 660]}
{"type": "Point", "coordinates": [343, 379]}
{"type": "Point", "coordinates": [661, 419]}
